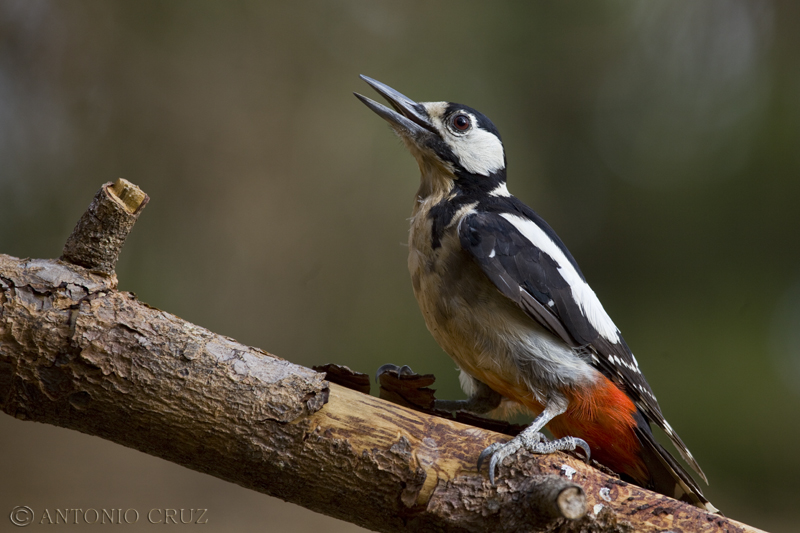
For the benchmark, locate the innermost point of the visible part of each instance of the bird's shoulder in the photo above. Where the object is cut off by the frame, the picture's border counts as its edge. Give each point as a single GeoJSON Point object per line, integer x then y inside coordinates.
{"type": "Point", "coordinates": [520, 218]}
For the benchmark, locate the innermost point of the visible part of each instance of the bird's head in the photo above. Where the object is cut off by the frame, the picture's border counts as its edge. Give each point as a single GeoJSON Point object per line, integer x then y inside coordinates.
{"type": "Point", "coordinates": [456, 146]}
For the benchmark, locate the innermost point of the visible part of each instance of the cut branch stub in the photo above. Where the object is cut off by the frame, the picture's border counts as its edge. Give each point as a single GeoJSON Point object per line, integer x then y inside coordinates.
{"type": "Point", "coordinates": [555, 497]}
{"type": "Point", "coordinates": [97, 239]}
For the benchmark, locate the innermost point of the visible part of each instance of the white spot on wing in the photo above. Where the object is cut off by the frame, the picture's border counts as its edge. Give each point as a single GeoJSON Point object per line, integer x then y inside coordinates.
{"type": "Point", "coordinates": [491, 254]}
{"type": "Point", "coordinates": [583, 295]}
{"type": "Point", "coordinates": [620, 361]}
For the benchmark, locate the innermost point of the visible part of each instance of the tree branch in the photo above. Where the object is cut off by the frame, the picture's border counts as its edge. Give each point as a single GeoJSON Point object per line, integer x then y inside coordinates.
{"type": "Point", "coordinates": [98, 237]}
{"type": "Point", "coordinates": [76, 353]}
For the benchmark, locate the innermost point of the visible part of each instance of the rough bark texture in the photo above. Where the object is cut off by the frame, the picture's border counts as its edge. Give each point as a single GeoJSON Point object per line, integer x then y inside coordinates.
{"type": "Point", "coordinates": [98, 237]}
{"type": "Point", "coordinates": [76, 353]}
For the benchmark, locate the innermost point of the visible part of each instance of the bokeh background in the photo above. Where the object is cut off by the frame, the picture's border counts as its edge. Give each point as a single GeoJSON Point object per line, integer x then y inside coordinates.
{"type": "Point", "coordinates": [660, 139]}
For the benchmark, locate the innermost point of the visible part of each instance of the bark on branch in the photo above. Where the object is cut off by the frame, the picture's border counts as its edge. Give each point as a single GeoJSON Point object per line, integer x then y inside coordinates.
{"type": "Point", "coordinates": [76, 353]}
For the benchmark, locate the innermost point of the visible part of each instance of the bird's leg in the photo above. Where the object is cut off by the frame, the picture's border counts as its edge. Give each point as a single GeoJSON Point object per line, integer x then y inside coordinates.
{"type": "Point", "coordinates": [482, 401]}
{"type": "Point", "coordinates": [532, 439]}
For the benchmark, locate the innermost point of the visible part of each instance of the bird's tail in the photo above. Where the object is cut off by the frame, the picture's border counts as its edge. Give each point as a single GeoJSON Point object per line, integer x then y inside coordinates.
{"type": "Point", "coordinates": [667, 476]}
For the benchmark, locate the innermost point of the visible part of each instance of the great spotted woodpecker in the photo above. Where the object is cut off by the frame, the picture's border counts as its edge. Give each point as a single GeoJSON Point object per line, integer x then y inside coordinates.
{"type": "Point", "coordinates": [503, 296]}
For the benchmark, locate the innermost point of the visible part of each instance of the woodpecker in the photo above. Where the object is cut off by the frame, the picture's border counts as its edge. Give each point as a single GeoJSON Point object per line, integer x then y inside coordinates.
{"type": "Point", "coordinates": [503, 296]}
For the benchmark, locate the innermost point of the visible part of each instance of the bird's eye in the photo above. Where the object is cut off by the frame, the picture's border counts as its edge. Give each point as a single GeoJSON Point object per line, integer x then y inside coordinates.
{"type": "Point", "coordinates": [460, 122]}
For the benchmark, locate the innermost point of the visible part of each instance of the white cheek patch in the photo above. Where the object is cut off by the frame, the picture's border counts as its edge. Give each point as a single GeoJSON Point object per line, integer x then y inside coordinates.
{"type": "Point", "coordinates": [583, 295]}
{"type": "Point", "coordinates": [479, 151]}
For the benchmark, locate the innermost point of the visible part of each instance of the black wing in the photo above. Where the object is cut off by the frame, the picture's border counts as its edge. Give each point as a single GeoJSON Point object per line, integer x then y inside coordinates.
{"type": "Point", "coordinates": [534, 280]}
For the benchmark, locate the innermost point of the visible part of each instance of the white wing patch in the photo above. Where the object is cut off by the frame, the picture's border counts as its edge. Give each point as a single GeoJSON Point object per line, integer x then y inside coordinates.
{"type": "Point", "coordinates": [583, 295]}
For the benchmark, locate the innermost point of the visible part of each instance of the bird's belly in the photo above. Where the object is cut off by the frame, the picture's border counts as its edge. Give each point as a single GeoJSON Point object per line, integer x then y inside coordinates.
{"type": "Point", "coordinates": [486, 334]}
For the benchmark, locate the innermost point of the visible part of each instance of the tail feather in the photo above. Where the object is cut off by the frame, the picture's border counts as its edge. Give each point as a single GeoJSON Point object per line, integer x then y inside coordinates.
{"type": "Point", "coordinates": [659, 420]}
{"type": "Point", "coordinates": [667, 476]}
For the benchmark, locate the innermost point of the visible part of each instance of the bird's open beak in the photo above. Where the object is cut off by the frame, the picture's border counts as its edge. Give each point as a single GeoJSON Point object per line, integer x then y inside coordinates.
{"type": "Point", "coordinates": [409, 117]}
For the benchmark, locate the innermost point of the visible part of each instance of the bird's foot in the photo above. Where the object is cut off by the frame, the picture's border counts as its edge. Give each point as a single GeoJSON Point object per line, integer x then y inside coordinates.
{"type": "Point", "coordinates": [401, 371]}
{"type": "Point", "coordinates": [534, 442]}
{"type": "Point", "coordinates": [403, 386]}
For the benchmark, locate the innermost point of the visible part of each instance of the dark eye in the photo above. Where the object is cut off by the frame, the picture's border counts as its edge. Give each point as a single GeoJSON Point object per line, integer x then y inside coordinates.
{"type": "Point", "coordinates": [460, 122]}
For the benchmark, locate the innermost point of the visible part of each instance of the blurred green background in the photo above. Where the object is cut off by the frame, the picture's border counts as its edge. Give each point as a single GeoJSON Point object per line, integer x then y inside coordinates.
{"type": "Point", "coordinates": [660, 139]}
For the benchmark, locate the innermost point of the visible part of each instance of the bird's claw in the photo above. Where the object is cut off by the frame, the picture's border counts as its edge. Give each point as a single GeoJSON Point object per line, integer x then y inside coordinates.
{"type": "Point", "coordinates": [583, 445]}
{"type": "Point", "coordinates": [534, 443]}
{"type": "Point", "coordinates": [404, 370]}
{"type": "Point", "coordinates": [497, 452]}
